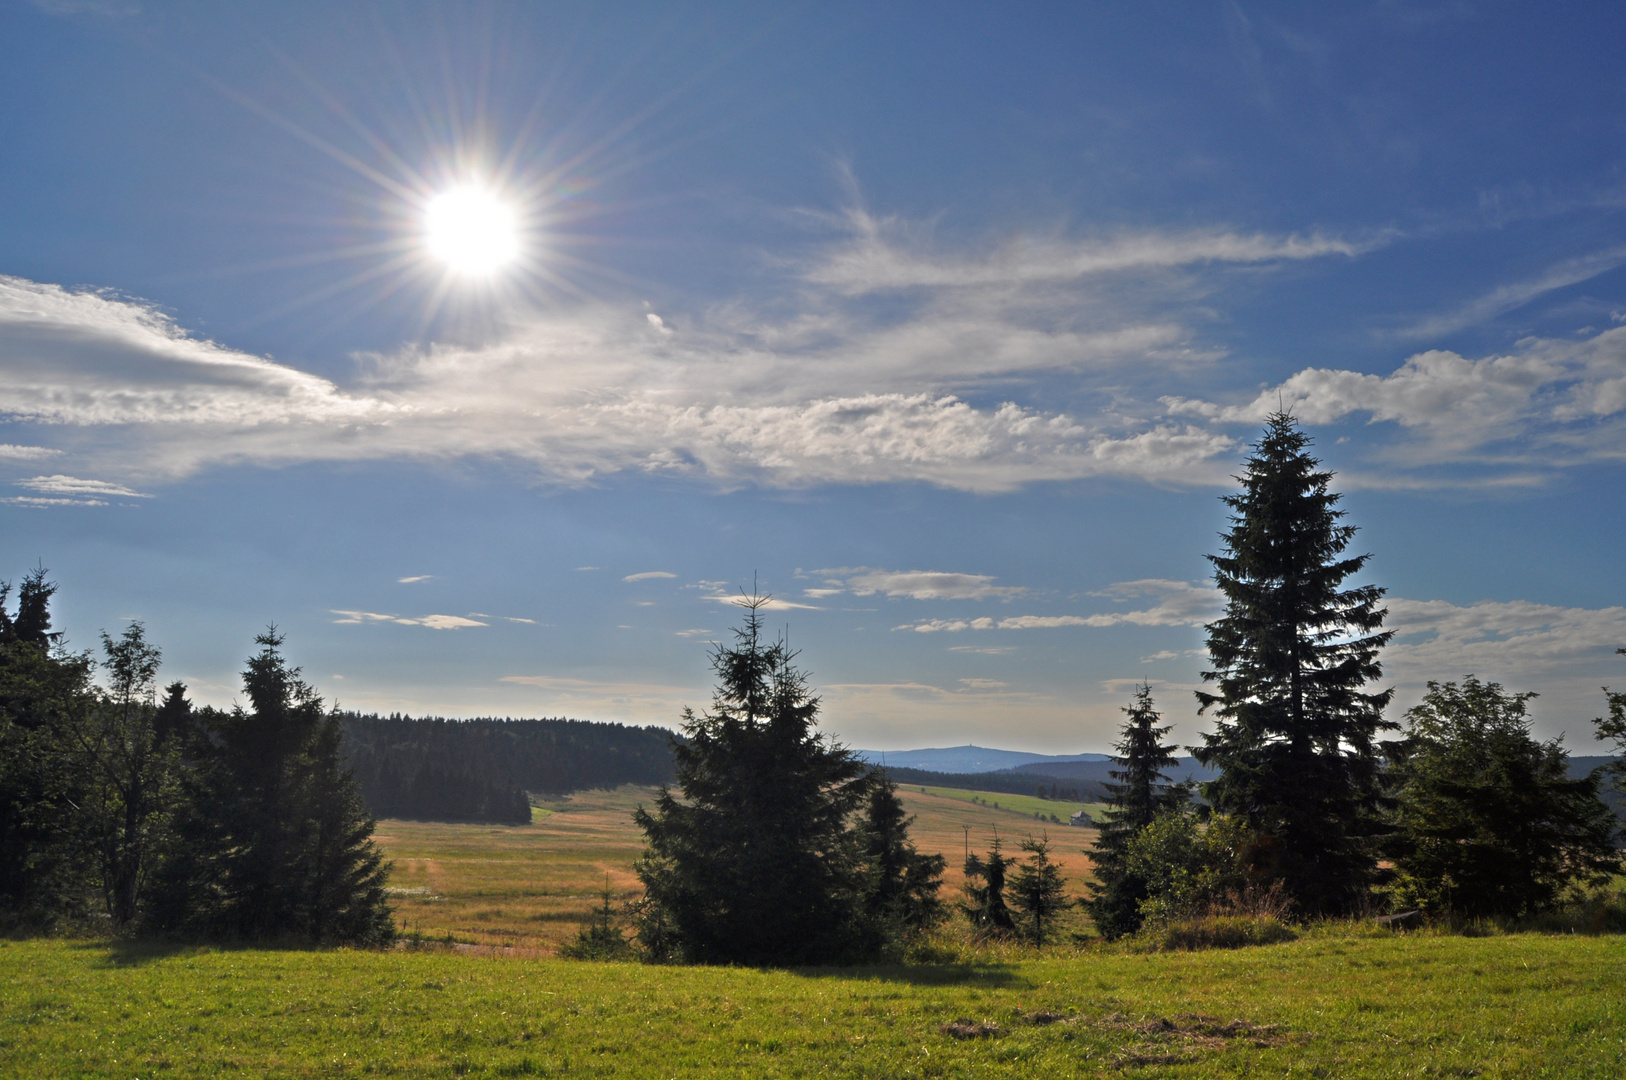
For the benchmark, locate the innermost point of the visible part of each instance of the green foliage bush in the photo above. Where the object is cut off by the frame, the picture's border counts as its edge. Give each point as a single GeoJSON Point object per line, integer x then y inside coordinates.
{"type": "Point", "coordinates": [1215, 932]}
{"type": "Point", "coordinates": [1488, 822]}
{"type": "Point", "coordinates": [1187, 865]}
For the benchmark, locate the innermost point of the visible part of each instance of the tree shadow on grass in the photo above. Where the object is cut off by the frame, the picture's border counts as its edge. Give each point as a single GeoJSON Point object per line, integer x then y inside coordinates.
{"type": "Point", "coordinates": [124, 953]}
{"type": "Point", "coordinates": [993, 976]}
{"type": "Point", "coordinates": [139, 952]}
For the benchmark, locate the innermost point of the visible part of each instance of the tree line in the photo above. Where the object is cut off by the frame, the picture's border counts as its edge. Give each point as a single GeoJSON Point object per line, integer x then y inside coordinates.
{"type": "Point", "coordinates": [165, 818]}
{"type": "Point", "coordinates": [431, 768]}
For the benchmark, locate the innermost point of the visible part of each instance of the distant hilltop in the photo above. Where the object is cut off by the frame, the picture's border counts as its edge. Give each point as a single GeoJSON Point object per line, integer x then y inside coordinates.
{"type": "Point", "coordinates": [968, 759]}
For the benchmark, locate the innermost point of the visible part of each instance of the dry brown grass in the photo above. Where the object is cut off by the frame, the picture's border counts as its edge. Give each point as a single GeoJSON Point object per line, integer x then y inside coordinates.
{"type": "Point", "coordinates": [524, 889]}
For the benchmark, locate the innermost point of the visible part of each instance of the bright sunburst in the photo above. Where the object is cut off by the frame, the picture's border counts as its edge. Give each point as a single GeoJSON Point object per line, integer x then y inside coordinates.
{"type": "Point", "coordinates": [471, 231]}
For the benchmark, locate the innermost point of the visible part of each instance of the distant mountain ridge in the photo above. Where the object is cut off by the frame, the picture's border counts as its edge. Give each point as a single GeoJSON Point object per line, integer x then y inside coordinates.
{"type": "Point", "coordinates": [969, 759]}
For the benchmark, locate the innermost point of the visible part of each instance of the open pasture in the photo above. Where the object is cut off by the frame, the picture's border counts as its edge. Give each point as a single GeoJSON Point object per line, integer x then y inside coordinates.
{"type": "Point", "coordinates": [528, 887]}
{"type": "Point", "coordinates": [1345, 1001]}
{"type": "Point", "coordinates": [1327, 1006]}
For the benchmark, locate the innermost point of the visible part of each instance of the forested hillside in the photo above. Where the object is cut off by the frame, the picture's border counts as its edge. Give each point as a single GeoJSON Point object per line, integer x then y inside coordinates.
{"type": "Point", "coordinates": [1045, 785]}
{"type": "Point", "coordinates": [480, 770]}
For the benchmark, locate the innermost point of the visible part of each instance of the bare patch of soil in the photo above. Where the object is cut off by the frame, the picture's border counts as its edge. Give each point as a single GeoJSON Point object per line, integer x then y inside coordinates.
{"type": "Point", "coordinates": [1166, 1041]}
{"type": "Point", "coordinates": [970, 1029]}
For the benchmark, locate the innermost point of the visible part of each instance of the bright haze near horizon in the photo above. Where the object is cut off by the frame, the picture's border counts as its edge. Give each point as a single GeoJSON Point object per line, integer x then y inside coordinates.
{"type": "Point", "coordinates": [490, 350]}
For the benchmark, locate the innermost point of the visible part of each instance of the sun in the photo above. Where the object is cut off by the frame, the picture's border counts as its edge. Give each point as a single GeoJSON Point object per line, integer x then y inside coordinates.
{"type": "Point", "coordinates": [471, 230]}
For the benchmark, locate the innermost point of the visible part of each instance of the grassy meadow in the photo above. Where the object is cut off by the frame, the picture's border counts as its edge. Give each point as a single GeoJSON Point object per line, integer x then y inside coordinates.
{"type": "Point", "coordinates": [1342, 1001]}
{"type": "Point", "coordinates": [1325, 1006]}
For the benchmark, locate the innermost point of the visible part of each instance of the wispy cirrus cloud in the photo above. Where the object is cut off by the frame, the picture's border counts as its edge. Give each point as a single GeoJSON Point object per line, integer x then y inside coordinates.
{"type": "Point", "coordinates": [913, 584]}
{"type": "Point", "coordinates": [887, 253]}
{"type": "Point", "coordinates": [1510, 297]}
{"type": "Point", "coordinates": [52, 491]}
{"type": "Point", "coordinates": [432, 622]}
{"type": "Point", "coordinates": [649, 575]}
{"type": "Point", "coordinates": [74, 486]}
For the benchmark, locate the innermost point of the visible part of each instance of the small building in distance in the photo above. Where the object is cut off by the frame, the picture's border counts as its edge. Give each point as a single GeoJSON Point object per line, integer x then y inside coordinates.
{"type": "Point", "coordinates": [1082, 818]}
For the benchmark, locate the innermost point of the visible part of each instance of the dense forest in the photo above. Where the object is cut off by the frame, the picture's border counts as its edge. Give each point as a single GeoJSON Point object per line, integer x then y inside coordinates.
{"type": "Point", "coordinates": [1006, 781]}
{"type": "Point", "coordinates": [480, 770]}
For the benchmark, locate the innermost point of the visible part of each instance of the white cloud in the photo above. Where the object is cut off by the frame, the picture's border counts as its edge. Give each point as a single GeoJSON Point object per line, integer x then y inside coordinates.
{"type": "Point", "coordinates": [442, 622]}
{"type": "Point", "coordinates": [647, 575]}
{"type": "Point", "coordinates": [690, 633]}
{"type": "Point", "coordinates": [915, 584]}
{"type": "Point", "coordinates": [41, 502]}
{"type": "Point", "coordinates": [772, 603]}
{"type": "Point", "coordinates": [433, 622]}
{"type": "Point", "coordinates": [12, 452]}
{"type": "Point", "coordinates": [1179, 603]}
{"type": "Point", "coordinates": [982, 684]}
{"type": "Point", "coordinates": [581, 569]}
{"type": "Point", "coordinates": [1547, 404]}
{"type": "Point", "coordinates": [413, 579]}
{"type": "Point", "coordinates": [837, 391]}
{"type": "Point", "coordinates": [517, 619]}
{"type": "Point", "coordinates": [1510, 640]}
{"type": "Point", "coordinates": [1564, 653]}
{"type": "Point", "coordinates": [72, 486]}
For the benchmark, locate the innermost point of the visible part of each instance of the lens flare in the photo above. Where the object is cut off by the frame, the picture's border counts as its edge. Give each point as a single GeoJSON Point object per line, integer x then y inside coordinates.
{"type": "Point", "coordinates": [471, 231]}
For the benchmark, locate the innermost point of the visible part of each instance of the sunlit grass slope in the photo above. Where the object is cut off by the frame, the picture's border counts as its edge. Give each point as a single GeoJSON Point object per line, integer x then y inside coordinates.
{"type": "Point", "coordinates": [1327, 1006]}
{"type": "Point", "coordinates": [528, 886]}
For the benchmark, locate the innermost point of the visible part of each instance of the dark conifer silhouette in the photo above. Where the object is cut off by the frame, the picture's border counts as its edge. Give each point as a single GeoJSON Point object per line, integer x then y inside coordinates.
{"type": "Point", "coordinates": [984, 889]}
{"type": "Point", "coordinates": [1141, 791]}
{"type": "Point", "coordinates": [1038, 890]}
{"type": "Point", "coordinates": [44, 692]}
{"type": "Point", "coordinates": [903, 883]}
{"type": "Point", "coordinates": [1295, 734]}
{"type": "Point", "coordinates": [759, 861]}
{"type": "Point", "coordinates": [276, 841]}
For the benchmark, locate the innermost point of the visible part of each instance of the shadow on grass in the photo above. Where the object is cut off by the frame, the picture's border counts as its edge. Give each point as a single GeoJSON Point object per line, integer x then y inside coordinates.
{"type": "Point", "coordinates": [125, 953]}
{"type": "Point", "coordinates": [993, 976]}
{"type": "Point", "coordinates": [139, 952]}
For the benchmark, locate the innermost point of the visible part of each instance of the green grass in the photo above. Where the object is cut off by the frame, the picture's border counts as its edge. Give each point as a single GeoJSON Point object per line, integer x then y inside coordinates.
{"type": "Point", "coordinates": [1025, 805]}
{"type": "Point", "coordinates": [1339, 1002]}
{"type": "Point", "coordinates": [1335, 1004]}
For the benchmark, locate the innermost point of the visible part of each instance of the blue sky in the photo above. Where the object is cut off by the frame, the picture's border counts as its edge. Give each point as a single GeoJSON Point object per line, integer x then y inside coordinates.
{"type": "Point", "coordinates": [948, 323]}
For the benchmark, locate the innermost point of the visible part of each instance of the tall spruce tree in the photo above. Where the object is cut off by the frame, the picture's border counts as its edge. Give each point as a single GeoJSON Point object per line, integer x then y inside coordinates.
{"type": "Point", "coordinates": [1295, 737]}
{"type": "Point", "coordinates": [1139, 793]}
{"type": "Point", "coordinates": [759, 861]}
{"type": "Point", "coordinates": [275, 841]}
